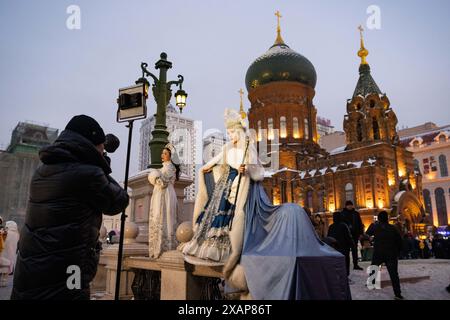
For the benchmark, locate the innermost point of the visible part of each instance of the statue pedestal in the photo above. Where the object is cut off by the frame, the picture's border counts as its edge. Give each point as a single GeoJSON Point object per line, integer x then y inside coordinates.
{"type": "Point", "coordinates": [136, 238]}
{"type": "Point", "coordinates": [179, 279]}
{"type": "Point", "coordinates": [109, 259]}
{"type": "Point", "coordinates": [177, 283]}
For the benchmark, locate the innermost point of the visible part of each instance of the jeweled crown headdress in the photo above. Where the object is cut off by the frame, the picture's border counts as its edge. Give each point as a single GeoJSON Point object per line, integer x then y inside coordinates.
{"type": "Point", "coordinates": [234, 120]}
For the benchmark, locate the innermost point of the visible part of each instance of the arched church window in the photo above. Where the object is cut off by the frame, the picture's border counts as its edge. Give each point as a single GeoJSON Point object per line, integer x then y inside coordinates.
{"type": "Point", "coordinates": [259, 131]}
{"type": "Point", "coordinates": [427, 200]}
{"type": "Point", "coordinates": [416, 144]}
{"type": "Point", "coordinates": [283, 192]}
{"type": "Point", "coordinates": [442, 138]}
{"type": "Point", "coordinates": [349, 192]}
{"type": "Point", "coordinates": [296, 132]}
{"type": "Point", "coordinates": [359, 130]}
{"type": "Point", "coordinates": [372, 103]}
{"type": "Point", "coordinates": [270, 128]}
{"type": "Point", "coordinates": [322, 200]}
{"type": "Point", "coordinates": [306, 129]}
{"type": "Point", "coordinates": [416, 165]}
{"type": "Point", "coordinates": [283, 130]}
{"type": "Point", "coordinates": [443, 165]}
{"type": "Point", "coordinates": [441, 206]}
{"type": "Point", "coordinates": [376, 129]}
{"type": "Point", "coordinates": [358, 106]}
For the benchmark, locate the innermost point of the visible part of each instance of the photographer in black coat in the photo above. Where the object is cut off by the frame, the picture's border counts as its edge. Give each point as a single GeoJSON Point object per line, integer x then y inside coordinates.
{"type": "Point", "coordinates": [353, 220]}
{"type": "Point", "coordinates": [387, 248]}
{"type": "Point", "coordinates": [68, 194]}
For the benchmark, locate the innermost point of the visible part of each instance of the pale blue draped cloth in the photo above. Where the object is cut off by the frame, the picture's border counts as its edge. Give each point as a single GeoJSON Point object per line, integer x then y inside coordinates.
{"type": "Point", "coordinates": [283, 258]}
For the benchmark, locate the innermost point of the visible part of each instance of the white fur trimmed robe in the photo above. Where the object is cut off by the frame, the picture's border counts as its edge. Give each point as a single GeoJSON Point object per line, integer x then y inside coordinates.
{"type": "Point", "coordinates": [232, 155]}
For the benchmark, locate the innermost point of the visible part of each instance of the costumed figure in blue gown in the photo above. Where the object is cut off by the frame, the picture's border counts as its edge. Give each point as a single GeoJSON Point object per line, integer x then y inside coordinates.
{"type": "Point", "coordinates": [267, 251]}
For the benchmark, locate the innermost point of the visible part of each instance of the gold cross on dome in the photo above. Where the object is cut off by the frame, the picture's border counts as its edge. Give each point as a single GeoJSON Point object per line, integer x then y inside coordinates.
{"type": "Point", "coordinates": [361, 30]}
{"type": "Point", "coordinates": [241, 107]}
{"type": "Point", "coordinates": [363, 52]}
{"type": "Point", "coordinates": [278, 14]}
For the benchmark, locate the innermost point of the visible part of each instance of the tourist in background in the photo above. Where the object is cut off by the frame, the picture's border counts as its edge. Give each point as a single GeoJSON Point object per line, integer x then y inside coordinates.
{"type": "Point", "coordinates": [10, 247]}
{"type": "Point", "coordinates": [387, 247]}
{"type": "Point", "coordinates": [353, 220]}
{"type": "Point", "coordinates": [319, 226]}
{"type": "Point", "coordinates": [366, 248]}
{"type": "Point", "coordinates": [339, 231]}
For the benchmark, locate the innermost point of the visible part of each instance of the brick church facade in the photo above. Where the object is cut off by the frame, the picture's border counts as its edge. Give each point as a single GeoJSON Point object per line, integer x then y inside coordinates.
{"type": "Point", "coordinates": [373, 169]}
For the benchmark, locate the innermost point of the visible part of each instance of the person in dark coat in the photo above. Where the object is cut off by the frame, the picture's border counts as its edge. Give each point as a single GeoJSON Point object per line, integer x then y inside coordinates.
{"type": "Point", "coordinates": [344, 241]}
{"type": "Point", "coordinates": [353, 220]}
{"type": "Point", "coordinates": [58, 251]}
{"type": "Point", "coordinates": [387, 247]}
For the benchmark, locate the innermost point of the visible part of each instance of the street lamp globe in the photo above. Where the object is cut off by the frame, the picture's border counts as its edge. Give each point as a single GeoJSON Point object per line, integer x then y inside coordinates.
{"type": "Point", "coordinates": [180, 98]}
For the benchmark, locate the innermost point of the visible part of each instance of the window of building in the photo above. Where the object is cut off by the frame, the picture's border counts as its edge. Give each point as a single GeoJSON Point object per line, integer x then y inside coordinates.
{"type": "Point", "coordinates": [442, 138]}
{"type": "Point", "coordinates": [426, 165]}
{"type": "Point", "coordinates": [427, 200]}
{"type": "Point", "coordinates": [376, 129]}
{"type": "Point", "coordinates": [270, 128]}
{"type": "Point", "coordinates": [322, 200]}
{"type": "Point", "coordinates": [349, 192]}
{"type": "Point", "coordinates": [416, 165]}
{"type": "Point", "coordinates": [259, 131]}
{"type": "Point", "coordinates": [443, 165]}
{"type": "Point", "coordinates": [283, 192]}
{"type": "Point", "coordinates": [306, 129]}
{"type": "Point", "coordinates": [296, 132]}
{"type": "Point", "coordinates": [283, 130]}
{"type": "Point", "coordinates": [441, 207]}
{"type": "Point", "coordinates": [433, 164]}
{"type": "Point", "coordinates": [359, 130]}
{"type": "Point", "coordinates": [38, 136]}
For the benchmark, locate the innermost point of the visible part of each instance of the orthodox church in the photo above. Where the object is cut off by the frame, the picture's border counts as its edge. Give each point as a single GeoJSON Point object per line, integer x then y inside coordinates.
{"type": "Point", "coordinates": [373, 169]}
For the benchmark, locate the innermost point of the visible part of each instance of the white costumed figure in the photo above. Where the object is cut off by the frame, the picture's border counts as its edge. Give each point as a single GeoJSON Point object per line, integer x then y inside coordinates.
{"type": "Point", "coordinates": [267, 251]}
{"type": "Point", "coordinates": [163, 205]}
{"type": "Point", "coordinates": [217, 208]}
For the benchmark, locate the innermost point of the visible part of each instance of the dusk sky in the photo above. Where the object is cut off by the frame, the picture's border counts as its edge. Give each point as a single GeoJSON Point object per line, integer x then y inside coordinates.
{"type": "Point", "coordinates": [50, 73]}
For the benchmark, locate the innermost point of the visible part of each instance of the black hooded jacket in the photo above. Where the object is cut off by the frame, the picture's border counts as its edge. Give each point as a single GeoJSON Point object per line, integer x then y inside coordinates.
{"type": "Point", "coordinates": [353, 220]}
{"type": "Point", "coordinates": [387, 241]}
{"type": "Point", "coordinates": [341, 233]}
{"type": "Point", "coordinates": [68, 194]}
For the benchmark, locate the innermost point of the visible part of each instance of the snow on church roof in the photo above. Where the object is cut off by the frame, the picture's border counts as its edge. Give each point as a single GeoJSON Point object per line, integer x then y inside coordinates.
{"type": "Point", "coordinates": [321, 171]}
{"type": "Point", "coordinates": [338, 149]}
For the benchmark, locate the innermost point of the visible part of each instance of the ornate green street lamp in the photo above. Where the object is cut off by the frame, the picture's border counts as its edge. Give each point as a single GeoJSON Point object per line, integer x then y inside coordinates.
{"type": "Point", "coordinates": [161, 92]}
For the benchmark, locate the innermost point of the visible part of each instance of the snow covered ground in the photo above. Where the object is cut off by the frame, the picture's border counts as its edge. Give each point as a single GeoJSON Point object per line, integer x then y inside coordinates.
{"type": "Point", "coordinates": [432, 289]}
